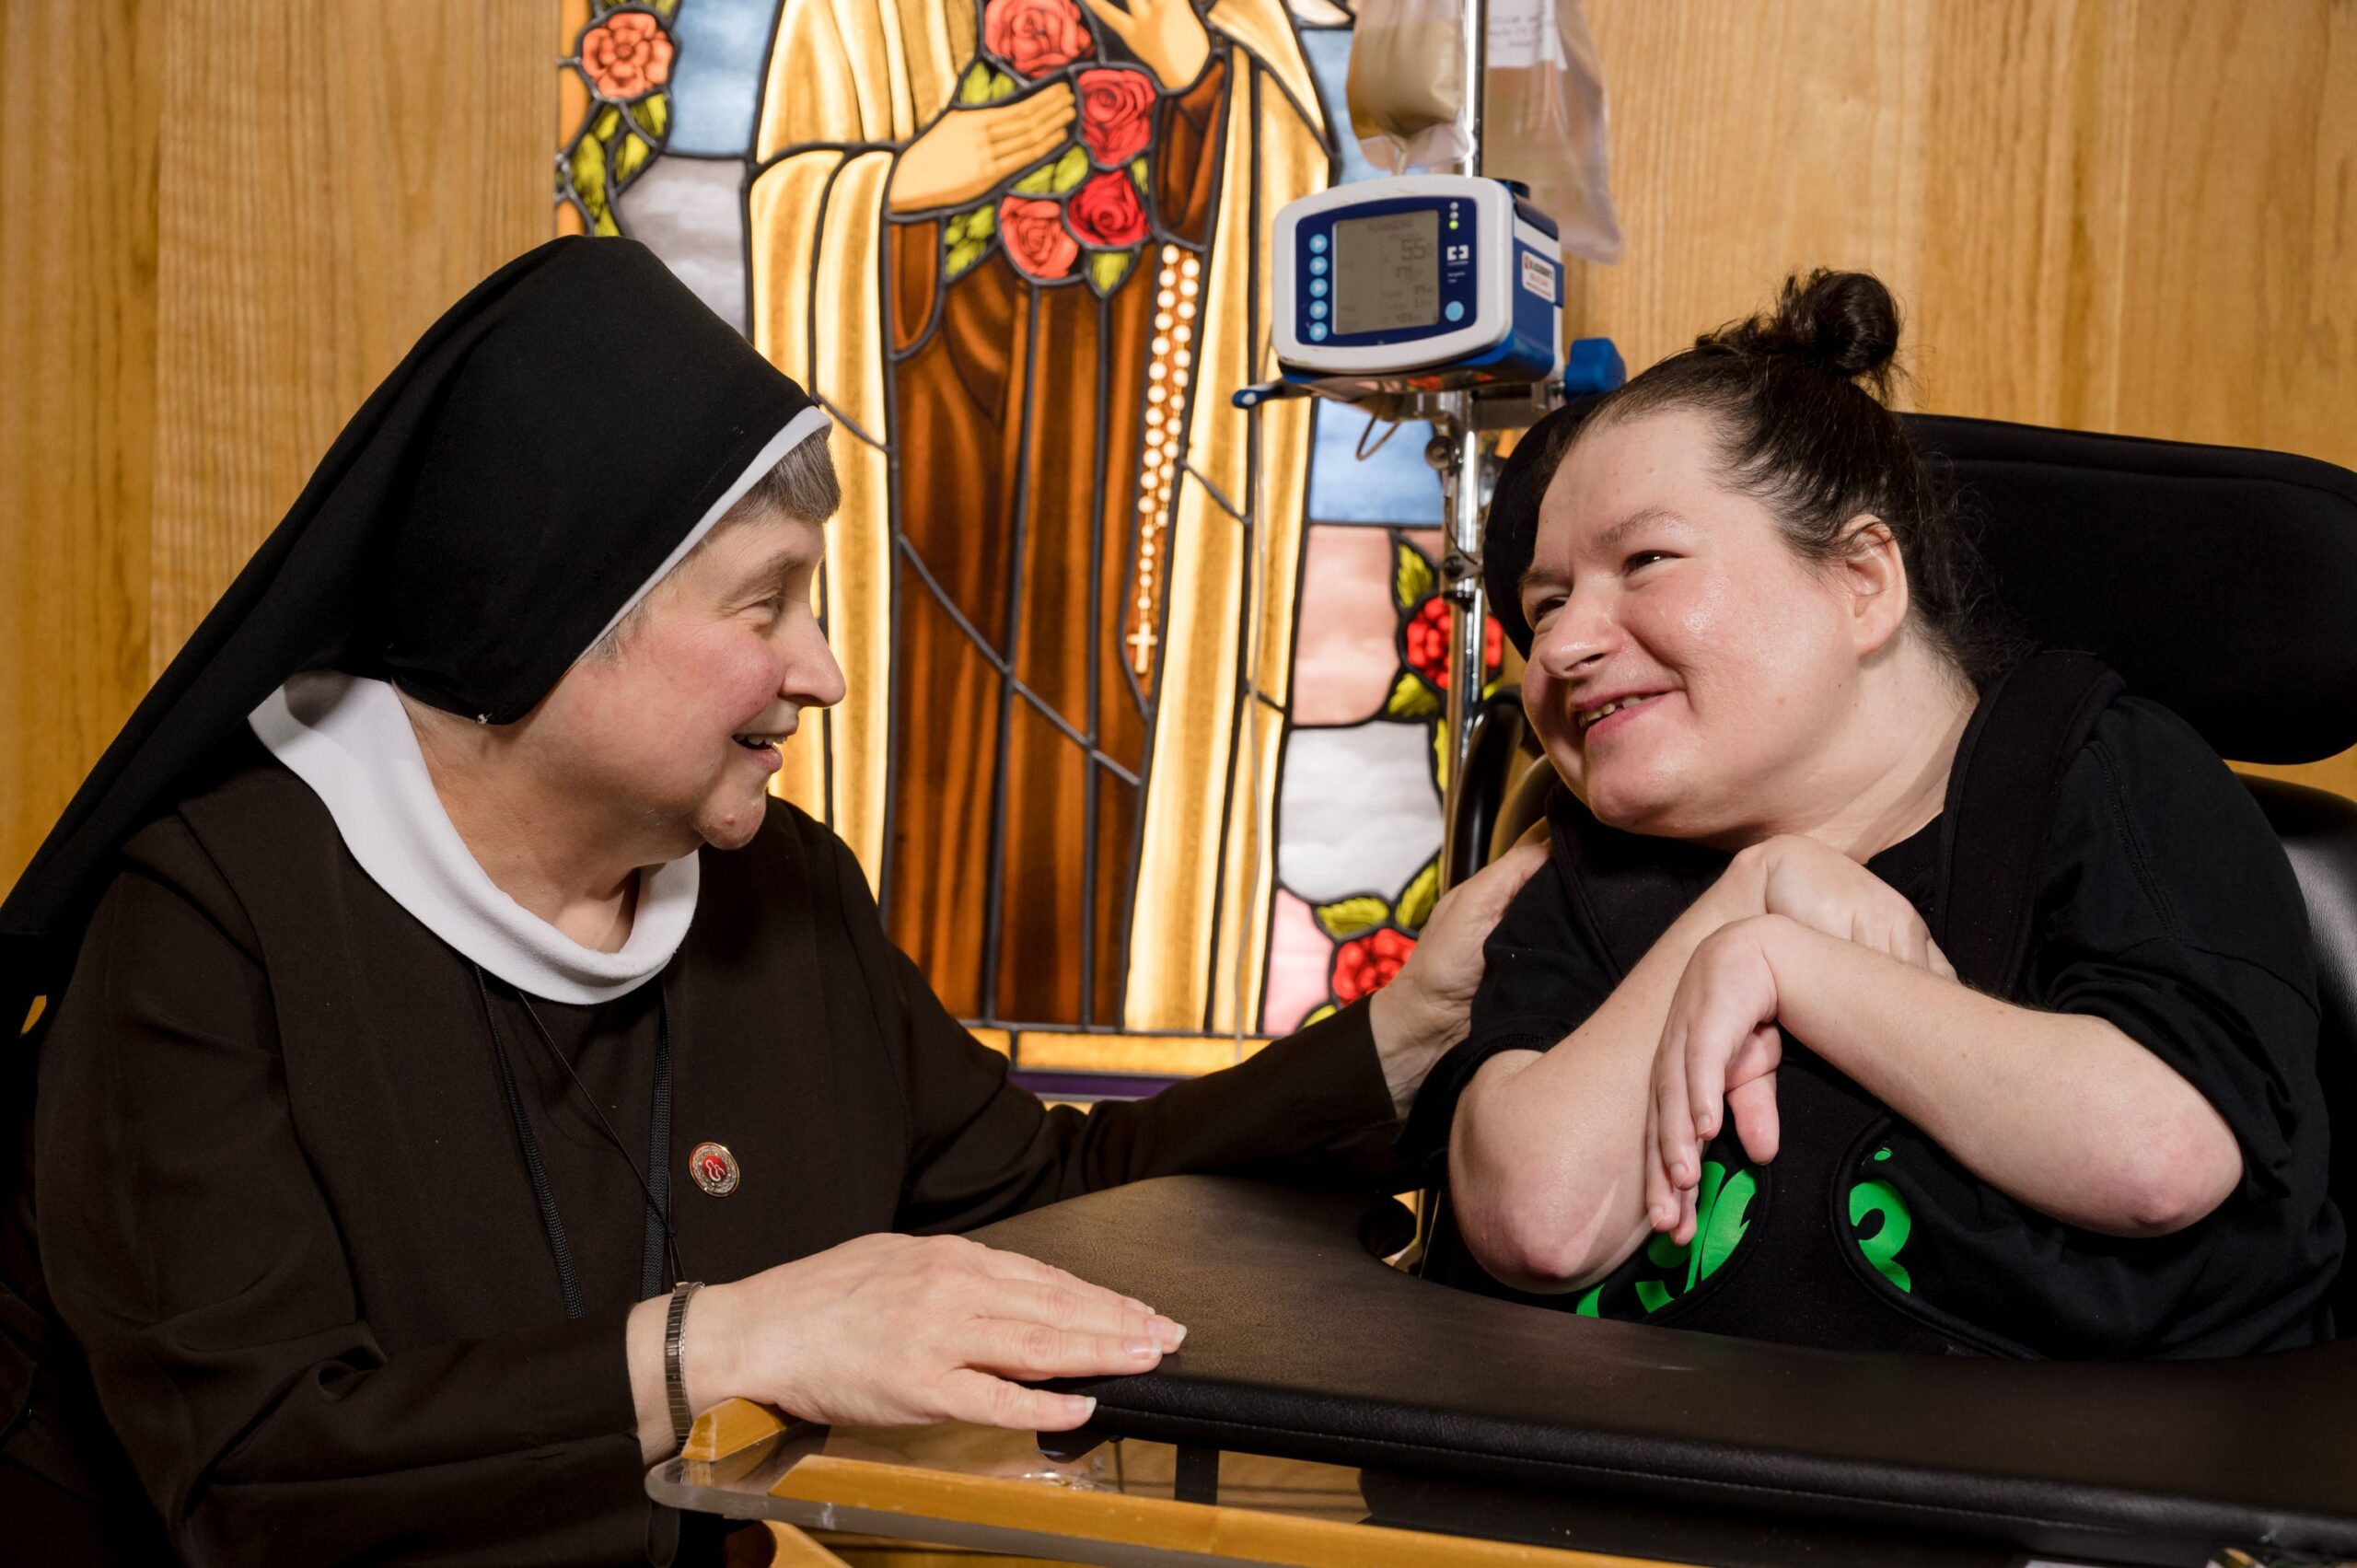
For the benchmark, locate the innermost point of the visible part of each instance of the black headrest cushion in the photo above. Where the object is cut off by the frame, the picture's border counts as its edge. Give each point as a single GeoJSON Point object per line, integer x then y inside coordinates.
{"type": "Point", "coordinates": [2219, 580]}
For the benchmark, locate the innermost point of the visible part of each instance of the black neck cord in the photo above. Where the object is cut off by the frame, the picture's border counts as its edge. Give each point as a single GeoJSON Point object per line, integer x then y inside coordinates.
{"type": "Point", "coordinates": [661, 1243]}
{"type": "Point", "coordinates": [654, 1182]}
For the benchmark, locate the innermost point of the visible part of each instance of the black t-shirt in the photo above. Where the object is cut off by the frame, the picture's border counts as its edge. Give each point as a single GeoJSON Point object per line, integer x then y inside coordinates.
{"type": "Point", "coordinates": [2166, 907]}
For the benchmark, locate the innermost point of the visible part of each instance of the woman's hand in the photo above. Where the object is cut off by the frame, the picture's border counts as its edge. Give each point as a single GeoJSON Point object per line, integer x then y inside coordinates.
{"type": "Point", "coordinates": [1166, 36]}
{"type": "Point", "coordinates": [1719, 1052]}
{"type": "Point", "coordinates": [1811, 882]}
{"type": "Point", "coordinates": [1428, 1006]}
{"type": "Point", "coordinates": [966, 152]}
{"type": "Point", "coordinates": [896, 1330]}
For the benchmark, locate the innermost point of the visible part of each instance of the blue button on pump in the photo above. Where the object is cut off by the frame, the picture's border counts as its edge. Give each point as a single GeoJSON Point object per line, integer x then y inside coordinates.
{"type": "Point", "coordinates": [1456, 311]}
{"type": "Point", "coordinates": [1317, 264]}
{"type": "Point", "coordinates": [1317, 331]}
{"type": "Point", "coordinates": [1318, 244]}
{"type": "Point", "coordinates": [1316, 287]}
{"type": "Point", "coordinates": [1317, 309]}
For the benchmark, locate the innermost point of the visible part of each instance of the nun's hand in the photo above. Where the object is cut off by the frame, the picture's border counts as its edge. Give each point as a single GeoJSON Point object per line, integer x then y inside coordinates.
{"type": "Point", "coordinates": [967, 151]}
{"type": "Point", "coordinates": [1428, 1006]}
{"type": "Point", "coordinates": [895, 1330]}
{"type": "Point", "coordinates": [1166, 36]}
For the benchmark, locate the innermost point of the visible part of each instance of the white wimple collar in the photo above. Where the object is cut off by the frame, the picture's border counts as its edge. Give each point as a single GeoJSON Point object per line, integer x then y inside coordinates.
{"type": "Point", "coordinates": [350, 739]}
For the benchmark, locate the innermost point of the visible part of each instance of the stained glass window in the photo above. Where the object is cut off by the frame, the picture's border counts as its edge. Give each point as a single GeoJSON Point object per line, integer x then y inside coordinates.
{"type": "Point", "coordinates": [1140, 750]}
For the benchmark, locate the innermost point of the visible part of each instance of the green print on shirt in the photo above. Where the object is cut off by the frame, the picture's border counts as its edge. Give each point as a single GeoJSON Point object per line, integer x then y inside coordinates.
{"type": "Point", "coordinates": [1881, 1244]}
{"type": "Point", "coordinates": [1722, 1213]}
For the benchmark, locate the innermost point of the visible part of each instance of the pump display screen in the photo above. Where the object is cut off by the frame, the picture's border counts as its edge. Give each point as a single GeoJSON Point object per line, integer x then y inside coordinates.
{"type": "Point", "coordinates": [1387, 272]}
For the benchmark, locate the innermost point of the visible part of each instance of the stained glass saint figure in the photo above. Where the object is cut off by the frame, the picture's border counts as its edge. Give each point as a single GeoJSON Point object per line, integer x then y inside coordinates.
{"type": "Point", "coordinates": [1015, 246]}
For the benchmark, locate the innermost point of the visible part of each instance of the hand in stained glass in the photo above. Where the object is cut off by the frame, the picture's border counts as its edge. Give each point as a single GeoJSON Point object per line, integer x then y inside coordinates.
{"type": "Point", "coordinates": [967, 151]}
{"type": "Point", "coordinates": [1166, 36]}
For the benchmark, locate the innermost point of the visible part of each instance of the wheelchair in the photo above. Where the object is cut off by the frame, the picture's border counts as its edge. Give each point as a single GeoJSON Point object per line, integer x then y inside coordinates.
{"type": "Point", "coordinates": [2219, 581]}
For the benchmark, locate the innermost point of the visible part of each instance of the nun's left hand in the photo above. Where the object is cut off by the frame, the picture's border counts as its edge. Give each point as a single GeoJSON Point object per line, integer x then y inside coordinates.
{"type": "Point", "coordinates": [1428, 1006]}
{"type": "Point", "coordinates": [1166, 36]}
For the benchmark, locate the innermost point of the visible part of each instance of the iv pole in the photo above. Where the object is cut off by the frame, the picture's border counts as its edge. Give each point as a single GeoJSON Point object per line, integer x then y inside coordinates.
{"type": "Point", "coordinates": [1456, 451]}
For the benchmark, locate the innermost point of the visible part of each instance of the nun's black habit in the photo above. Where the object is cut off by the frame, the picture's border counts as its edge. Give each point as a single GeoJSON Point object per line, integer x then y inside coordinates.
{"type": "Point", "coordinates": [279, 1287]}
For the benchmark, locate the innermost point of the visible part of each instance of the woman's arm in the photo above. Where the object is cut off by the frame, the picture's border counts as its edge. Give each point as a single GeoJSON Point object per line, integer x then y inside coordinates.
{"type": "Point", "coordinates": [1545, 1193]}
{"type": "Point", "coordinates": [2062, 1112]}
{"type": "Point", "coordinates": [1547, 1150]}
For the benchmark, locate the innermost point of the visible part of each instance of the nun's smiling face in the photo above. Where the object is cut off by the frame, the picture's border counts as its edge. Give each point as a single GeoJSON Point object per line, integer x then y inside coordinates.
{"type": "Point", "coordinates": [679, 730]}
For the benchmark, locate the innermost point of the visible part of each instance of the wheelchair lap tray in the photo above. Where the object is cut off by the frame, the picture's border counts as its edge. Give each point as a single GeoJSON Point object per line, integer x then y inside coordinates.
{"type": "Point", "coordinates": [1303, 1344]}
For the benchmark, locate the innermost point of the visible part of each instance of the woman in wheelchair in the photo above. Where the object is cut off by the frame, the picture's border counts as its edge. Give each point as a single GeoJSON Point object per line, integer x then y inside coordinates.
{"type": "Point", "coordinates": [1887, 989]}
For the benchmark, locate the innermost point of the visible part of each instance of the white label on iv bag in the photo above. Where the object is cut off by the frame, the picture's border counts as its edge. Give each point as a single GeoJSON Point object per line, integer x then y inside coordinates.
{"type": "Point", "coordinates": [1523, 33]}
{"type": "Point", "coordinates": [1538, 276]}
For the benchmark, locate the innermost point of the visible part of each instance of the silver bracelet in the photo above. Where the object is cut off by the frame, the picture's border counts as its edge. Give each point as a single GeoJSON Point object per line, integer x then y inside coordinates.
{"type": "Point", "coordinates": [675, 1379]}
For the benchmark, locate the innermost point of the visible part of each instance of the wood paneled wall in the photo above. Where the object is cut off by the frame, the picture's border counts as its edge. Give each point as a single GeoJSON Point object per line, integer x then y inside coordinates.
{"type": "Point", "coordinates": [220, 223]}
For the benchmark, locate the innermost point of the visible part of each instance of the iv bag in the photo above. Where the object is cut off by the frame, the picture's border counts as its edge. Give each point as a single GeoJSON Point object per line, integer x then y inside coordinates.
{"type": "Point", "coordinates": [1544, 121]}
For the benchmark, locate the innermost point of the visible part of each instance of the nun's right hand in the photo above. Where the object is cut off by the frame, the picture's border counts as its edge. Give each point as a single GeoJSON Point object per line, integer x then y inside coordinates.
{"type": "Point", "coordinates": [966, 152]}
{"type": "Point", "coordinates": [893, 1331]}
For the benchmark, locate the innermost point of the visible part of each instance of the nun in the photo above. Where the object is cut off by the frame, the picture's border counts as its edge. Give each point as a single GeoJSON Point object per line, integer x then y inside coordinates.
{"type": "Point", "coordinates": [454, 1069]}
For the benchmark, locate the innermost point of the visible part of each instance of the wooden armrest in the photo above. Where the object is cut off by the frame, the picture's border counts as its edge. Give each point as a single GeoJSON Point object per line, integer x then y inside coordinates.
{"type": "Point", "coordinates": [731, 1429]}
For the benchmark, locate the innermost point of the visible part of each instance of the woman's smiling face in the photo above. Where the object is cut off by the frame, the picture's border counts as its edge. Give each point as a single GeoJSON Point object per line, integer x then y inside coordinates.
{"type": "Point", "coordinates": [1687, 669]}
{"type": "Point", "coordinates": [678, 729]}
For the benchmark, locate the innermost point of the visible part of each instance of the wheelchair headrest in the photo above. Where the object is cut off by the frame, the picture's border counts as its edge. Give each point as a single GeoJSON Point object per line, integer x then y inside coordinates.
{"type": "Point", "coordinates": [2220, 580]}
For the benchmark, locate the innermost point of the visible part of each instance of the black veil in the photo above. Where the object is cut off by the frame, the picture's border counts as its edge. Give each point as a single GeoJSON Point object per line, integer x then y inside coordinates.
{"type": "Point", "coordinates": [546, 447]}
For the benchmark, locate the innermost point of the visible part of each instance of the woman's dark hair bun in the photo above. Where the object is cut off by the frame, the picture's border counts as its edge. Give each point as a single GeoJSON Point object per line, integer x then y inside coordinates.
{"type": "Point", "coordinates": [1844, 322]}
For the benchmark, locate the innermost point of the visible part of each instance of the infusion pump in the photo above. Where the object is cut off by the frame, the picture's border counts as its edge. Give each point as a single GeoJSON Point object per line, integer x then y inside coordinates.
{"type": "Point", "coordinates": [1422, 282]}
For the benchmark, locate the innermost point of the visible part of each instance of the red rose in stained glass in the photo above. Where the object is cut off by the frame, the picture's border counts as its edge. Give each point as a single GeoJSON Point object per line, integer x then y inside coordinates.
{"type": "Point", "coordinates": [1033, 36]}
{"type": "Point", "coordinates": [627, 55]}
{"type": "Point", "coordinates": [1365, 964]}
{"type": "Point", "coordinates": [1426, 638]}
{"type": "Point", "coordinates": [1033, 232]}
{"type": "Point", "coordinates": [1104, 212]}
{"type": "Point", "coordinates": [1115, 114]}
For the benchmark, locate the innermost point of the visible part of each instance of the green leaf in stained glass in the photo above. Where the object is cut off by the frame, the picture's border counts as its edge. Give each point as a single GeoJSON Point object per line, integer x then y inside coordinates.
{"type": "Point", "coordinates": [630, 157]}
{"type": "Point", "coordinates": [1411, 577]}
{"type": "Point", "coordinates": [606, 121]}
{"type": "Point", "coordinates": [1416, 900]}
{"type": "Point", "coordinates": [1412, 698]}
{"type": "Point", "coordinates": [1002, 87]}
{"type": "Point", "coordinates": [953, 233]}
{"type": "Point", "coordinates": [963, 256]}
{"type": "Point", "coordinates": [974, 86]}
{"type": "Point", "coordinates": [1070, 170]}
{"type": "Point", "coordinates": [589, 170]}
{"type": "Point", "coordinates": [1037, 182]}
{"type": "Point", "coordinates": [1138, 172]}
{"type": "Point", "coordinates": [1107, 268]}
{"type": "Point", "coordinates": [1346, 918]}
{"type": "Point", "coordinates": [653, 114]}
{"type": "Point", "coordinates": [981, 223]}
{"type": "Point", "coordinates": [1319, 1013]}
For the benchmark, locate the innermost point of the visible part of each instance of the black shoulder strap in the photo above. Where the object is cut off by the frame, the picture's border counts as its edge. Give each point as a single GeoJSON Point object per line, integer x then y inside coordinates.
{"type": "Point", "coordinates": [2003, 793]}
{"type": "Point", "coordinates": [1628, 888]}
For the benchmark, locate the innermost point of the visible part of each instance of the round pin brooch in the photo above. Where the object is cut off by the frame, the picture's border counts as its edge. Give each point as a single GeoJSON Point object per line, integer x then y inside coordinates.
{"type": "Point", "coordinates": [715, 1168]}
